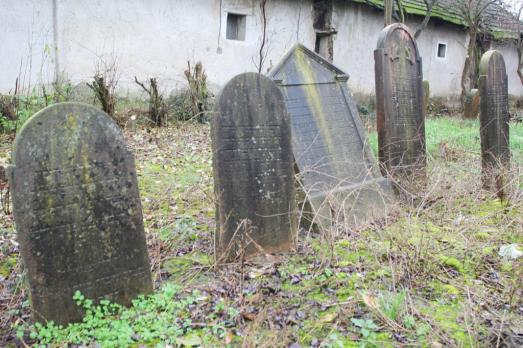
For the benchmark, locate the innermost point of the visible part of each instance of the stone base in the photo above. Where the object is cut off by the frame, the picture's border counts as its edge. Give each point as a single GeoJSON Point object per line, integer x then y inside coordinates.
{"type": "Point", "coordinates": [353, 205]}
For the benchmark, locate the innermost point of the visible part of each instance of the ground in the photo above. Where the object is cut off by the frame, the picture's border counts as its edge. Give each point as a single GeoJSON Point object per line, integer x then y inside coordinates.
{"type": "Point", "coordinates": [429, 275]}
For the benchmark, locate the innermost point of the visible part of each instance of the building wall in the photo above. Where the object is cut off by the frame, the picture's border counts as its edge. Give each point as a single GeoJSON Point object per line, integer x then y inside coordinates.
{"type": "Point", "coordinates": [358, 30]}
{"type": "Point", "coordinates": [26, 43]}
{"type": "Point", "coordinates": [156, 38]}
{"type": "Point", "coordinates": [510, 55]}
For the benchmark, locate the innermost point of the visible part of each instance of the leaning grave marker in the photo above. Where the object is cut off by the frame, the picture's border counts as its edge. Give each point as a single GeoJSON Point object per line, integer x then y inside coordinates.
{"type": "Point", "coordinates": [399, 104]}
{"type": "Point", "coordinates": [253, 169]}
{"type": "Point", "coordinates": [77, 211]}
{"type": "Point", "coordinates": [339, 174]}
{"type": "Point", "coordinates": [494, 119]}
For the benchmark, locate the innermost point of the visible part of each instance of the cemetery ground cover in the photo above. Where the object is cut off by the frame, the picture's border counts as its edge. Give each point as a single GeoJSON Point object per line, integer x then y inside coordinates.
{"type": "Point", "coordinates": [428, 275]}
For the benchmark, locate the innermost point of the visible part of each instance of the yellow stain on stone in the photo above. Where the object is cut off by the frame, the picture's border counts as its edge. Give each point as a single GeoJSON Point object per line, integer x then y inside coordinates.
{"type": "Point", "coordinates": [313, 98]}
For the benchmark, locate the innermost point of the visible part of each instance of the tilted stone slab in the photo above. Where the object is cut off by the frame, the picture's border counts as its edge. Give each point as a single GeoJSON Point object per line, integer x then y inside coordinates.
{"type": "Point", "coordinates": [399, 103]}
{"type": "Point", "coordinates": [494, 119]}
{"type": "Point", "coordinates": [77, 211]}
{"type": "Point", "coordinates": [339, 175]}
{"type": "Point", "coordinates": [253, 169]}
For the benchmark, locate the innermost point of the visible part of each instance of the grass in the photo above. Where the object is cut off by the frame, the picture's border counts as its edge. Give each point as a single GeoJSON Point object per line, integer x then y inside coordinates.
{"type": "Point", "coordinates": [427, 276]}
{"type": "Point", "coordinates": [459, 134]}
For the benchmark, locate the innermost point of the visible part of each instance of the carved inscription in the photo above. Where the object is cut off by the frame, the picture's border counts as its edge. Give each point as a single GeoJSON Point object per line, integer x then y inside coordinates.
{"type": "Point", "coordinates": [328, 147]}
{"type": "Point", "coordinates": [252, 169]}
{"type": "Point", "coordinates": [78, 212]}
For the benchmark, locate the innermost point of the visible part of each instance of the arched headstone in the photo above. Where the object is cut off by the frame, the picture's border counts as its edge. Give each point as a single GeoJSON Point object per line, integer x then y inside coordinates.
{"type": "Point", "coordinates": [253, 173]}
{"type": "Point", "coordinates": [399, 103]}
{"type": "Point", "coordinates": [77, 211]}
{"type": "Point", "coordinates": [494, 119]}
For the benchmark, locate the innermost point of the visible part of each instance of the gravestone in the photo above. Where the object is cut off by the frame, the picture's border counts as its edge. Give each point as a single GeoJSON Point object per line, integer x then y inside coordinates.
{"type": "Point", "coordinates": [494, 120]}
{"type": "Point", "coordinates": [77, 211]}
{"type": "Point", "coordinates": [399, 105]}
{"type": "Point", "coordinates": [472, 104]}
{"type": "Point", "coordinates": [253, 173]}
{"type": "Point", "coordinates": [339, 176]}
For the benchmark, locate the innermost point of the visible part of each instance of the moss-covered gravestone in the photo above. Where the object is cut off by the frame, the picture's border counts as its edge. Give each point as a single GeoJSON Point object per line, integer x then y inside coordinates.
{"type": "Point", "coordinates": [77, 211]}
{"type": "Point", "coordinates": [253, 173]}
{"type": "Point", "coordinates": [399, 105]}
{"type": "Point", "coordinates": [494, 120]}
{"type": "Point", "coordinates": [339, 175]}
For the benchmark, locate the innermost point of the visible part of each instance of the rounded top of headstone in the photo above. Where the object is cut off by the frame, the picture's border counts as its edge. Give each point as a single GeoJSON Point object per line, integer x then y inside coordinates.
{"type": "Point", "coordinates": [491, 59]}
{"type": "Point", "coordinates": [401, 31]}
{"type": "Point", "coordinates": [56, 119]}
{"type": "Point", "coordinates": [240, 89]}
{"type": "Point", "coordinates": [247, 78]}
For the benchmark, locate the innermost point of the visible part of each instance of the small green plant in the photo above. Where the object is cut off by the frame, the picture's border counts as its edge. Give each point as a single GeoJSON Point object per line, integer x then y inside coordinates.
{"type": "Point", "coordinates": [363, 109]}
{"type": "Point", "coordinates": [367, 329]}
{"type": "Point", "coordinates": [162, 317]}
{"type": "Point", "coordinates": [392, 305]}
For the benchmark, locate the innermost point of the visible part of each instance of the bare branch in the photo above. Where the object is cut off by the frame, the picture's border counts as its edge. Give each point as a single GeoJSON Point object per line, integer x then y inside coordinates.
{"type": "Point", "coordinates": [430, 5]}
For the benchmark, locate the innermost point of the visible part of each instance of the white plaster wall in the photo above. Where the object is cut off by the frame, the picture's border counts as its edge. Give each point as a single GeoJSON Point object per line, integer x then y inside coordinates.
{"type": "Point", "coordinates": [511, 63]}
{"type": "Point", "coordinates": [26, 44]}
{"type": "Point", "coordinates": [157, 38]}
{"type": "Point", "coordinates": [443, 74]}
{"type": "Point", "coordinates": [358, 30]}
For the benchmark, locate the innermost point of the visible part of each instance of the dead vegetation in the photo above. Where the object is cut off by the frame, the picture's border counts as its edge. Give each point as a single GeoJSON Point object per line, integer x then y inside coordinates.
{"type": "Point", "coordinates": [157, 107]}
{"type": "Point", "coordinates": [429, 274]}
{"type": "Point", "coordinates": [198, 92]}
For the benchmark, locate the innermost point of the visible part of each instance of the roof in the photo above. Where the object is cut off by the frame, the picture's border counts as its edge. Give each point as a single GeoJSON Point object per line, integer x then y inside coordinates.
{"type": "Point", "coordinates": [497, 20]}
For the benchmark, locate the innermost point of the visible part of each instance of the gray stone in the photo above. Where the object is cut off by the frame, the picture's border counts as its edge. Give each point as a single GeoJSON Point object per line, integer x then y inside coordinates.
{"type": "Point", "coordinates": [82, 93]}
{"type": "Point", "coordinates": [338, 172]}
{"type": "Point", "coordinates": [77, 211]}
{"type": "Point", "coordinates": [399, 105]}
{"type": "Point", "coordinates": [494, 120]}
{"type": "Point", "coordinates": [253, 169]}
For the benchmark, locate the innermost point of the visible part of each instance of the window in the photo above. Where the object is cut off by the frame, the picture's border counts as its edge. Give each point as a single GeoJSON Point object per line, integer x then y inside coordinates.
{"type": "Point", "coordinates": [236, 24]}
{"type": "Point", "coordinates": [442, 50]}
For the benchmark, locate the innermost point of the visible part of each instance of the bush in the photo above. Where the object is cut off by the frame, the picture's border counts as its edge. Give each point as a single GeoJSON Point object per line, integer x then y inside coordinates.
{"type": "Point", "coordinates": [181, 108]}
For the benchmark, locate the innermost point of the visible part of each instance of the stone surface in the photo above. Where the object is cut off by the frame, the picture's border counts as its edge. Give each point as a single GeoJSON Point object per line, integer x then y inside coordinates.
{"type": "Point", "coordinates": [77, 211]}
{"type": "Point", "coordinates": [338, 173]}
{"type": "Point", "coordinates": [494, 119]}
{"type": "Point", "coordinates": [472, 104]}
{"type": "Point", "coordinates": [399, 104]}
{"type": "Point", "coordinates": [253, 169]}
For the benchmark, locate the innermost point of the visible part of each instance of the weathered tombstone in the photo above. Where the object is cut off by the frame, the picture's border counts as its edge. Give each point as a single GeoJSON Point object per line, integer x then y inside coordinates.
{"type": "Point", "coordinates": [472, 103]}
{"type": "Point", "coordinates": [494, 120]}
{"type": "Point", "coordinates": [77, 211]}
{"type": "Point", "coordinates": [253, 173]}
{"type": "Point", "coordinates": [82, 93]}
{"type": "Point", "coordinates": [338, 172]}
{"type": "Point", "coordinates": [399, 106]}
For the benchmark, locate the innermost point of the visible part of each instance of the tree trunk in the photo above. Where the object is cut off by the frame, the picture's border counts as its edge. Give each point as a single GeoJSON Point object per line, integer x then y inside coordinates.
{"type": "Point", "coordinates": [469, 75]}
{"type": "Point", "coordinates": [520, 62]}
{"type": "Point", "coordinates": [389, 7]}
